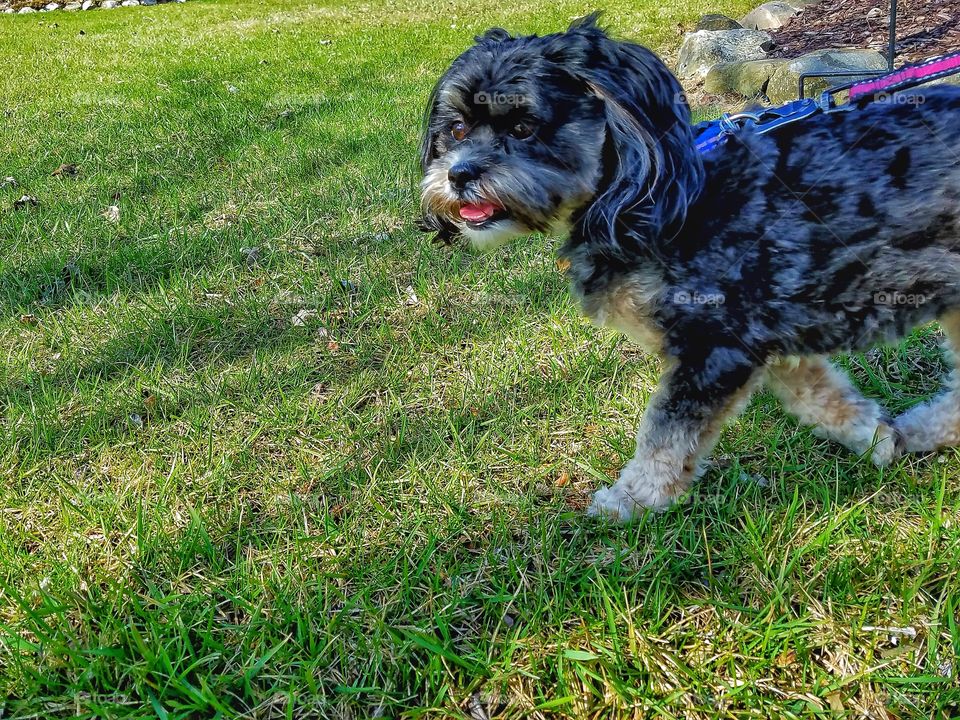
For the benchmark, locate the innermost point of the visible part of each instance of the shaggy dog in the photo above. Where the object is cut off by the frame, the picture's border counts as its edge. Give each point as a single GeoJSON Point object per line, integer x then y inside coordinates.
{"type": "Point", "coordinates": [750, 264]}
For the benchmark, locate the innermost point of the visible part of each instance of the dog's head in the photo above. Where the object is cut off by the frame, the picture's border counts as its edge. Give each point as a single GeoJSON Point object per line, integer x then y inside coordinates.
{"type": "Point", "coordinates": [533, 134]}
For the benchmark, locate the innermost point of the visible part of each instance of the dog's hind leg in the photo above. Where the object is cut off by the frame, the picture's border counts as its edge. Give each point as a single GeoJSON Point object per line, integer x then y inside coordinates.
{"type": "Point", "coordinates": [679, 428]}
{"type": "Point", "coordinates": [821, 395]}
{"type": "Point", "coordinates": [935, 423]}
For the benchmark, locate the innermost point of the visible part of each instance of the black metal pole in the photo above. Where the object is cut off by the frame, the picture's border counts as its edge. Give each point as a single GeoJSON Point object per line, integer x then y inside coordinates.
{"type": "Point", "coordinates": [892, 46]}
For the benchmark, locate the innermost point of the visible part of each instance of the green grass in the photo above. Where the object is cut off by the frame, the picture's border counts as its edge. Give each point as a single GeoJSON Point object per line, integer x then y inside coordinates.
{"type": "Point", "coordinates": [209, 510]}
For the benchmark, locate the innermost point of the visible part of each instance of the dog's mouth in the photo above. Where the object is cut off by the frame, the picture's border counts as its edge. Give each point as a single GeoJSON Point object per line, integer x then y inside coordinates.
{"type": "Point", "coordinates": [480, 214]}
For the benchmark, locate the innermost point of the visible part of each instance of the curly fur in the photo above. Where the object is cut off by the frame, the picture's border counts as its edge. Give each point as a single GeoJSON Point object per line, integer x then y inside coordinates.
{"type": "Point", "coordinates": [744, 266]}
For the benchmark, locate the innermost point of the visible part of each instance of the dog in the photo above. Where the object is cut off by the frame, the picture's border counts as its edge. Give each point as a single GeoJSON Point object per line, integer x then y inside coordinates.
{"type": "Point", "coordinates": [746, 266]}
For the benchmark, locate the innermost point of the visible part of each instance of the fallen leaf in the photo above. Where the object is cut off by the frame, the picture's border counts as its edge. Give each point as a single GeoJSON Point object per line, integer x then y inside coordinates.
{"type": "Point", "coordinates": [25, 201]}
{"type": "Point", "coordinates": [786, 658]}
{"type": "Point", "coordinates": [8, 181]}
{"type": "Point", "coordinates": [563, 264]}
{"type": "Point", "coordinates": [29, 319]}
{"type": "Point", "coordinates": [112, 214]}
{"type": "Point", "coordinates": [476, 709]}
{"type": "Point", "coordinates": [836, 702]}
{"type": "Point", "coordinates": [564, 479]}
{"type": "Point", "coordinates": [66, 170]}
{"type": "Point", "coordinates": [333, 346]}
{"type": "Point", "coordinates": [411, 297]}
{"type": "Point", "coordinates": [303, 317]}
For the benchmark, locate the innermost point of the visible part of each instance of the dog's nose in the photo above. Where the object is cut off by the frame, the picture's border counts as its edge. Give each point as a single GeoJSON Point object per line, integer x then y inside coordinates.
{"type": "Point", "coordinates": [462, 173]}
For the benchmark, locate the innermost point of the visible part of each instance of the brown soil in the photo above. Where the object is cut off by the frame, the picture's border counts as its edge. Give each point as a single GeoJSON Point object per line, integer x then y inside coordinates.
{"type": "Point", "coordinates": [925, 28]}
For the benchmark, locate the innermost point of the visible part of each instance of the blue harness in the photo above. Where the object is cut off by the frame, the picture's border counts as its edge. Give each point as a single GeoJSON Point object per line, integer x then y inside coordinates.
{"type": "Point", "coordinates": [714, 133]}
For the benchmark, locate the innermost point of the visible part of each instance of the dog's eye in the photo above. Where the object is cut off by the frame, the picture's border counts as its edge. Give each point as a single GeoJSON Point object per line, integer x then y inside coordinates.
{"type": "Point", "coordinates": [521, 131]}
{"type": "Point", "coordinates": [458, 130]}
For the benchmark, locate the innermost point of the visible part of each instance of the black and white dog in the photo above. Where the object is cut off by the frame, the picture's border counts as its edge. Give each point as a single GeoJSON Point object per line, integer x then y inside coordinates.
{"type": "Point", "coordinates": [749, 265]}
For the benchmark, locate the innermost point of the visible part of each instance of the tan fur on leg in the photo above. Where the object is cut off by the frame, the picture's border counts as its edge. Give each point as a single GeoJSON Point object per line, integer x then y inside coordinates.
{"type": "Point", "coordinates": [935, 423]}
{"type": "Point", "coordinates": [821, 395]}
{"type": "Point", "coordinates": [670, 455]}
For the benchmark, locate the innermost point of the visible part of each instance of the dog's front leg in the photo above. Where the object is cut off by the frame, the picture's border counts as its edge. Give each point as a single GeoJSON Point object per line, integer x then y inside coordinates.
{"type": "Point", "coordinates": [679, 428]}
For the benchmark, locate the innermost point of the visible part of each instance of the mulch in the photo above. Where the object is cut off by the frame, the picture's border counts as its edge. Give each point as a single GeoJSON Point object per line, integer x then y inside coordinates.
{"type": "Point", "coordinates": [925, 28]}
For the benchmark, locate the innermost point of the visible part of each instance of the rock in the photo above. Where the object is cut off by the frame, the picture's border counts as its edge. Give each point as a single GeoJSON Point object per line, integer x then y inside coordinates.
{"type": "Point", "coordinates": [87, 4]}
{"type": "Point", "coordinates": [714, 21]}
{"type": "Point", "coordinates": [703, 49]}
{"type": "Point", "coordinates": [109, 4]}
{"type": "Point", "coordinates": [130, 3]}
{"type": "Point", "coordinates": [148, 2]}
{"type": "Point", "coordinates": [770, 16]}
{"type": "Point", "coordinates": [26, 11]}
{"type": "Point", "coordinates": [748, 77]}
{"type": "Point", "coordinates": [52, 6]}
{"type": "Point", "coordinates": [71, 7]}
{"type": "Point", "coordinates": [783, 85]}
{"type": "Point", "coordinates": [9, 11]}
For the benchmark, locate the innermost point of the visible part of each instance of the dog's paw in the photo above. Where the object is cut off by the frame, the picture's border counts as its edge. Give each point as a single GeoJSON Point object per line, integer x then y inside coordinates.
{"type": "Point", "coordinates": [887, 445]}
{"type": "Point", "coordinates": [622, 503]}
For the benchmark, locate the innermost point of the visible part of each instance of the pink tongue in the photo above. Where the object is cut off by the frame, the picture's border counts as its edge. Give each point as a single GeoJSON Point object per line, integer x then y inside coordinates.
{"type": "Point", "coordinates": [478, 212]}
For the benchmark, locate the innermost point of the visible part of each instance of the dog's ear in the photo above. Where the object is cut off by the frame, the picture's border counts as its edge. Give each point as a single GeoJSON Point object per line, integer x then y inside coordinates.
{"type": "Point", "coordinates": [651, 164]}
{"type": "Point", "coordinates": [446, 232]}
{"type": "Point", "coordinates": [493, 35]}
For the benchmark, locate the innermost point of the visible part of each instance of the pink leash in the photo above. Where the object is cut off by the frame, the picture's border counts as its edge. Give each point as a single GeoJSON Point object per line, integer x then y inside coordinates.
{"type": "Point", "coordinates": [908, 76]}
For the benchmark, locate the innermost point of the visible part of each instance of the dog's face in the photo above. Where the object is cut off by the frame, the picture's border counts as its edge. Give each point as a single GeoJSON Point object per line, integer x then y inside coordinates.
{"type": "Point", "coordinates": [512, 144]}
{"type": "Point", "coordinates": [530, 134]}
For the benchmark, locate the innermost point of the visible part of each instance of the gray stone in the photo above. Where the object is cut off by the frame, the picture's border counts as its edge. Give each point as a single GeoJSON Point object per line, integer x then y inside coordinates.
{"type": "Point", "coordinates": [748, 77]}
{"type": "Point", "coordinates": [713, 21]}
{"type": "Point", "coordinates": [770, 16]}
{"type": "Point", "coordinates": [148, 2]}
{"type": "Point", "coordinates": [72, 6]}
{"type": "Point", "coordinates": [783, 83]}
{"type": "Point", "coordinates": [26, 11]}
{"type": "Point", "coordinates": [9, 11]}
{"type": "Point", "coordinates": [51, 6]}
{"type": "Point", "coordinates": [87, 4]}
{"type": "Point", "coordinates": [703, 49]}
{"type": "Point", "coordinates": [109, 4]}
{"type": "Point", "coordinates": [130, 3]}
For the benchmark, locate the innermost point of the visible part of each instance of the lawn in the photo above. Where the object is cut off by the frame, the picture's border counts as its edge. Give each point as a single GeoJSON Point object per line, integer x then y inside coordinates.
{"type": "Point", "coordinates": [267, 452]}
